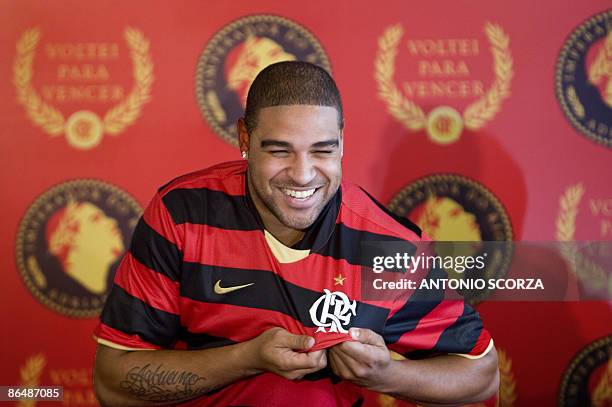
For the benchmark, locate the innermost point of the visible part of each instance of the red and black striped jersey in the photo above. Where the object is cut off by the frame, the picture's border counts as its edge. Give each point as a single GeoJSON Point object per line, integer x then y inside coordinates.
{"type": "Point", "coordinates": [203, 272]}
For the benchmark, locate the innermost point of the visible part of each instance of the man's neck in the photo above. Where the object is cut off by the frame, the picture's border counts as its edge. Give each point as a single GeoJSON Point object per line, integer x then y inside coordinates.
{"type": "Point", "coordinates": [281, 232]}
{"type": "Point", "coordinates": [285, 235]}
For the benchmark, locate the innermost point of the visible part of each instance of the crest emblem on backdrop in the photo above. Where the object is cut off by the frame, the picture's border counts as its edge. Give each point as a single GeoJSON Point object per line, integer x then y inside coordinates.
{"type": "Point", "coordinates": [82, 76]}
{"type": "Point", "coordinates": [443, 72]}
{"type": "Point", "coordinates": [70, 241]}
{"type": "Point", "coordinates": [587, 379]}
{"type": "Point", "coordinates": [453, 208]}
{"type": "Point", "coordinates": [236, 54]}
{"type": "Point", "coordinates": [584, 78]}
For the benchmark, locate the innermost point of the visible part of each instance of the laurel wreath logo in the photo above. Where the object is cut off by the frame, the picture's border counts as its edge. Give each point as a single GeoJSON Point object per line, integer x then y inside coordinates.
{"type": "Point", "coordinates": [507, 384]}
{"type": "Point", "coordinates": [30, 375]}
{"type": "Point", "coordinates": [410, 114]}
{"type": "Point", "coordinates": [574, 102]}
{"type": "Point", "coordinates": [585, 269]}
{"type": "Point", "coordinates": [116, 119]}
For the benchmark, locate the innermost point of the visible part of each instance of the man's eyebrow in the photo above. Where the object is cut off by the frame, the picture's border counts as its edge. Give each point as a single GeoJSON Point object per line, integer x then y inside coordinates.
{"type": "Point", "coordinates": [274, 143]}
{"type": "Point", "coordinates": [277, 143]}
{"type": "Point", "coordinates": [326, 143]}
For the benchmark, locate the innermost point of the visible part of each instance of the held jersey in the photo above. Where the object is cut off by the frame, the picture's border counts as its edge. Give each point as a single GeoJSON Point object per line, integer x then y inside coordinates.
{"type": "Point", "coordinates": [202, 272]}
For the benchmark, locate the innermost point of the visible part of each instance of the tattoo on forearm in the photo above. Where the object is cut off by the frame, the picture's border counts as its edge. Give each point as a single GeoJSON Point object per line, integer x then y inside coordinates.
{"type": "Point", "coordinates": [160, 384]}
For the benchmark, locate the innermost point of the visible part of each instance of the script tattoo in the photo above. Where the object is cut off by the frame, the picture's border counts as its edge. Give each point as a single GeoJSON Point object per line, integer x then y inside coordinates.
{"type": "Point", "coordinates": [159, 384]}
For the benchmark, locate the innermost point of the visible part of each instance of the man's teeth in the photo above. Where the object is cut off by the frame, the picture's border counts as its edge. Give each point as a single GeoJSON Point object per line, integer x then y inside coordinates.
{"type": "Point", "coordinates": [299, 194]}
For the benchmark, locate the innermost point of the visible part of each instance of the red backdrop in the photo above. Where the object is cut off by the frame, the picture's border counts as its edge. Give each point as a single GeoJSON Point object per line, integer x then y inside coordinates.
{"type": "Point", "coordinates": [526, 151]}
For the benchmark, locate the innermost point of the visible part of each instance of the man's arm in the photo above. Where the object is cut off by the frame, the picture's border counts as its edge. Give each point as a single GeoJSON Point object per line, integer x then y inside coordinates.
{"type": "Point", "coordinates": [158, 377]}
{"type": "Point", "coordinates": [441, 380]}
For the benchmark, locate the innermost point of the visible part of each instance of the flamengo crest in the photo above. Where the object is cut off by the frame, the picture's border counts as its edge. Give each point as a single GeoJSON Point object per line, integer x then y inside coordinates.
{"type": "Point", "coordinates": [332, 310]}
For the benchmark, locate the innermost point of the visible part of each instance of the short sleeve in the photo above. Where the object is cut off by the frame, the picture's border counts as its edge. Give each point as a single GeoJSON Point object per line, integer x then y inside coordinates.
{"type": "Point", "coordinates": [142, 308]}
{"type": "Point", "coordinates": [427, 324]}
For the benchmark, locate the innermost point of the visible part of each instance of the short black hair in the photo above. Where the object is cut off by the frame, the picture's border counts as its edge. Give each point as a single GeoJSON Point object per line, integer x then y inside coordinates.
{"type": "Point", "coordinates": [291, 83]}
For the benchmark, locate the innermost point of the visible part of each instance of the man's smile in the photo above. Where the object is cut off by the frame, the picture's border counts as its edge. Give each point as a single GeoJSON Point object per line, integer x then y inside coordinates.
{"type": "Point", "coordinates": [300, 198]}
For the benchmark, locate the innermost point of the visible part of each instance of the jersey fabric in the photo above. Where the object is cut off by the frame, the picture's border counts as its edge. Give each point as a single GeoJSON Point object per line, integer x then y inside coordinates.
{"type": "Point", "coordinates": [202, 272]}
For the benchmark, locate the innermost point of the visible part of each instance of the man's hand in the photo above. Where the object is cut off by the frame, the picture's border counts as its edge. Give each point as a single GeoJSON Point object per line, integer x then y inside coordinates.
{"type": "Point", "coordinates": [364, 361]}
{"type": "Point", "coordinates": [278, 351]}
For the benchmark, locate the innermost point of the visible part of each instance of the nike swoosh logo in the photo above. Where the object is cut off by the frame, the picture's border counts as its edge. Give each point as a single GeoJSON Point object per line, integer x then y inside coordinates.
{"type": "Point", "coordinates": [224, 290]}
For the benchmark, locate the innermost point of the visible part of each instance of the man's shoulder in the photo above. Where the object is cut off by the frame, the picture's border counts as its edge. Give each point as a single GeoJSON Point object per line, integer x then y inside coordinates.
{"type": "Point", "coordinates": [226, 177]}
{"type": "Point", "coordinates": [369, 214]}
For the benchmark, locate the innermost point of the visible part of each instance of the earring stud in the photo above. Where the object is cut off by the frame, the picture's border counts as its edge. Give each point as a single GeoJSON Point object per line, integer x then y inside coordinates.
{"type": "Point", "coordinates": [245, 155]}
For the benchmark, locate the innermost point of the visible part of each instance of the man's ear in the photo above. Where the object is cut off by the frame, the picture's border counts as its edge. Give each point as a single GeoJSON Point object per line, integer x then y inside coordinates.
{"type": "Point", "coordinates": [243, 135]}
{"type": "Point", "coordinates": [341, 143]}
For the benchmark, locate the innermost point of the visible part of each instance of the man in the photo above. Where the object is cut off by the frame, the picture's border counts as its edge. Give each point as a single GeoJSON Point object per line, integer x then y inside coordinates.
{"type": "Point", "coordinates": [229, 268]}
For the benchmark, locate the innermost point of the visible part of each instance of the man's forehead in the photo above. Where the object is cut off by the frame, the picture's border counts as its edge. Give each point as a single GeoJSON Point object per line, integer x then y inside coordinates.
{"type": "Point", "coordinates": [287, 112]}
{"type": "Point", "coordinates": [301, 124]}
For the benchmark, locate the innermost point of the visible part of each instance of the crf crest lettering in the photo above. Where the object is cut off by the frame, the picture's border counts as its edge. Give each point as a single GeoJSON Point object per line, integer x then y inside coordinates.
{"type": "Point", "coordinates": [333, 310]}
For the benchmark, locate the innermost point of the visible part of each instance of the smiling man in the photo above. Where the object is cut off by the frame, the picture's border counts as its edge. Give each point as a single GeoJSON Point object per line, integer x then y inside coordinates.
{"type": "Point", "coordinates": [243, 280]}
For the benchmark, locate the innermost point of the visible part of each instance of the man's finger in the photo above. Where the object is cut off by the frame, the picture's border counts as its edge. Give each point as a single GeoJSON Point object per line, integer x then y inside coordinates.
{"type": "Point", "coordinates": [367, 336]}
{"type": "Point", "coordinates": [297, 342]}
{"type": "Point", "coordinates": [319, 361]}
{"type": "Point", "coordinates": [308, 361]}
{"type": "Point", "coordinates": [353, 353]}
{"type": "Point", "coordinates": [339, 366]}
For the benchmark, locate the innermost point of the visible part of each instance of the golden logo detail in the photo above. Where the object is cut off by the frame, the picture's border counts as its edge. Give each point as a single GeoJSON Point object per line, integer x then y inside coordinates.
{"type": "Point", "coordinates": [588, 271]}
{"type": "Point", "coordinates": [83, 129]}
{"type": "Point", "coordinates": [444, 124]}
{"type": "Point", "coordinates": [224, 290]}
{"type": "Point", "coordinates": [76, 382]}
{"type": "Point", "coordinates": [236, 54]}
{"type": "Point", "coordinates": [600, 72]}
{"type": "Point", "coordinates": [583, 80]}
{"type": "Point", "coordinates": [452, 208]}
{"type": "Point", "coordinates": [250, 58]}
{"type": "Point", "coordinates": [30, 374]}
{"type": "Point", "coordinates": [71, 240]}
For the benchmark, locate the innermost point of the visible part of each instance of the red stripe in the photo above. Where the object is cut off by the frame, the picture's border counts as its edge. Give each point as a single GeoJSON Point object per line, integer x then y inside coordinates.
{"type": "Point", "coordinates": [430, 327]}
{"type": "Point", "coordinates": [269, 389]}
{"type": "Point", "coordinates": [223, 247]}
{"type": "Point", "coordinates": [241, 324]}
{"type": "Point", "coordinates": [226, 177]}
{"type": "Point", "coordinates": [104, 331]}
{"type": "Point", "coordinates": [362, 213]}
{"type": "Point", "coordinates": [158, 218]}
{"type": "Point", "coordinates": [150, 287]}
{"type": "Point", "coordinates": [482, 343]}
{"type": "Point", "coordinates": [249, 250]}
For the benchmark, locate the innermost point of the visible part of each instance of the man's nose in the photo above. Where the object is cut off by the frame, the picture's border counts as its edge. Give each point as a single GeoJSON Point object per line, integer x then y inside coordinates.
{"type": "Point", "coordinates": [302, 170]}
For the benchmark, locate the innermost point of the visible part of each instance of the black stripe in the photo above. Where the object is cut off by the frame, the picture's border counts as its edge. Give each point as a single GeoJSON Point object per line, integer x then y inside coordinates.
{"type": "Point", "coordinates": [155, 251]}
{"type": "Point", "coordinates": [421, 354]}
{"type": "Point", "coordinates": [202, 340]}
{"type": "Point", "coordinates": [400, 219]}
{"type": "Point", "coordinates": [420, 303]}
{"type": "Point", "coordinates": [319, 233]}
{"type": "Point", "coordinates": [208, 207]}
{"type": "Point", "coordinates": [462, 335]}
{"type": "Point", "coordinates": [358, 403]}
{"type": "Point", "coordinates": [132, 316]}
{"type": "Point", "coordinates": [269, 292]}
{"type": "Point", "coordinates": [355, 246]}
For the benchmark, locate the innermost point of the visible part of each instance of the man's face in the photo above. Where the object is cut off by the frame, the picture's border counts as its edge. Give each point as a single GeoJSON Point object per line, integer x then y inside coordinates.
{"type": "Point", "coordinates": [294, 163]}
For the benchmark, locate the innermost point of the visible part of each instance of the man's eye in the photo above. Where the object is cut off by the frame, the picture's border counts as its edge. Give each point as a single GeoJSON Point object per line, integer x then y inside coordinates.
{"type": "Point", "coordinates": [280, 153]}
{"type": "Point", "coordinates": [324, 152]}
